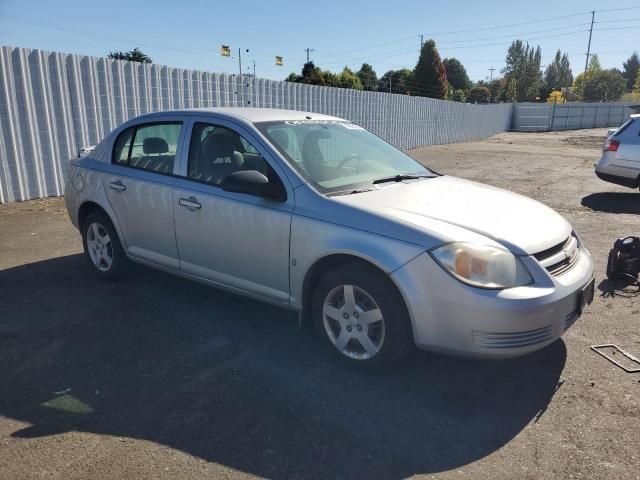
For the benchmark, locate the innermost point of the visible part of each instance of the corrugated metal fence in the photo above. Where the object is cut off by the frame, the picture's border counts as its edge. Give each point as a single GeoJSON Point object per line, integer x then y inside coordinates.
{"type": "Point", "coordinates": [543, 117]}
{"type": "Point", "coordinates": [53, 104]}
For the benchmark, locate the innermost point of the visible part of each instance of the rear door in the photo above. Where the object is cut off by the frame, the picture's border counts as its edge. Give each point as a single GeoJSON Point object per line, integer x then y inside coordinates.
{"type": "Point", "coordinates": [139, 187]}
{"type": "Point", "coordinates": [234, 239]}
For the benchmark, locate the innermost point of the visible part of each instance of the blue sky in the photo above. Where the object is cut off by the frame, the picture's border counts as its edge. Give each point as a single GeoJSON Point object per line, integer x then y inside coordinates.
{"type": "Point", "coordinates": [383, 33]}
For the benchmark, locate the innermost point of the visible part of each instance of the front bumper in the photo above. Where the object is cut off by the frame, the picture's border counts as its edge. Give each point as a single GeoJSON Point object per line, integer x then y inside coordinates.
{"type": "Point", "coordinates": [452, 317]}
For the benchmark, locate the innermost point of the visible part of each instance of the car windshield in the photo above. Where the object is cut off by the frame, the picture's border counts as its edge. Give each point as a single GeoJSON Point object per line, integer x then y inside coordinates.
{"type": "Point", "coordinates": [338, 156]}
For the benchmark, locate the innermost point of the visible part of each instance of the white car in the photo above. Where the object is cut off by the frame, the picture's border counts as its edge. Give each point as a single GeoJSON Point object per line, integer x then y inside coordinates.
{"type": "Point", "coordinates": [316, 214]}
{"type": "Point", "coordinates": [620, 162]}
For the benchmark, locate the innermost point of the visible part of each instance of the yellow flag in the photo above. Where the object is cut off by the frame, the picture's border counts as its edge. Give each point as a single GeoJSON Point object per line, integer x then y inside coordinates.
{"type": "Point", "coordinates": [279, 61]}
{"type": "Point", "coordinates": [225, 51]}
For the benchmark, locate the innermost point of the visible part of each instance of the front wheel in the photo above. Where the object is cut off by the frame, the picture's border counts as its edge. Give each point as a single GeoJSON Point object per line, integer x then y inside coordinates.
{"type": "Point", "coordinates": [362, 316]}
{"type": "Point", "coordinates": [102, 247]}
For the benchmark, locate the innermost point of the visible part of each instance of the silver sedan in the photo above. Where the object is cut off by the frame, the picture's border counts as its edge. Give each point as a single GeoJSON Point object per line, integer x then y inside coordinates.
{"type": "Point", "coordinates": [316, 214]}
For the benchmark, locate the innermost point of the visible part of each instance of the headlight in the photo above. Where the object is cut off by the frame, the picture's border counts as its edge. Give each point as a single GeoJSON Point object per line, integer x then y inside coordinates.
{"type": "Point", "coordinates": [482, 266]}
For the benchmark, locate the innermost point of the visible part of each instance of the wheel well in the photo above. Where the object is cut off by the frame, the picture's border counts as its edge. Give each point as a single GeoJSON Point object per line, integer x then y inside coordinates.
{"type": "Point", "coordinates": [85, 209]}
{"type": "Point", "coordinates": [321, 267]}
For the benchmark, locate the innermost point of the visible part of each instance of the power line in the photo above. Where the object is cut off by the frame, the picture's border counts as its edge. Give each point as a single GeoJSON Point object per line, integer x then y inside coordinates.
{"type": "Point", "coordinates": [508, 25]}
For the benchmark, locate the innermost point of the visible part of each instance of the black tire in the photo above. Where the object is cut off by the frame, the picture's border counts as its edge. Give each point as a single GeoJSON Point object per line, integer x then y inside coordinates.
{"type": "Point", "coordinates": [119, 264]}
{"type": "Point", "coordinates": [398, 337]}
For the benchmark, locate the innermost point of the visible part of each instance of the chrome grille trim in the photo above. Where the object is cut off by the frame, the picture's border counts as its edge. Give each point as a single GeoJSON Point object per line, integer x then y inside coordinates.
{"type": "Point", "coordinates": [560, 258]}
{"type": "Point", "coordinates": [499, 340]}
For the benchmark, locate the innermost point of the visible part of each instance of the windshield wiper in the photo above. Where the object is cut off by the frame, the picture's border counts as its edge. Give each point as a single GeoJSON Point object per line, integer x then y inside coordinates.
{"type": "Point", "coordinates": [350, 192]}
{"type": "Point", "coordinates": [399, 178]}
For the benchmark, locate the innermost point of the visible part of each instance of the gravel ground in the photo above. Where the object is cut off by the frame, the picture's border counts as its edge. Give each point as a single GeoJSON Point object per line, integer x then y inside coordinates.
{"type": "Point", "coordinates": [157, 377]}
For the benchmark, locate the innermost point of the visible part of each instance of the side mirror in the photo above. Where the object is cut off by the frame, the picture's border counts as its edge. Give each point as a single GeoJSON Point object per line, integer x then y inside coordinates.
{"type": "Point", "coordinates": [252, 182]}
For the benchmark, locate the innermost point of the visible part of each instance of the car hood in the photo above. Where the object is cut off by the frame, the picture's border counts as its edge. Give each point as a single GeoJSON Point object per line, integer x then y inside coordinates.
{"type": "Point", "coordinates": [517, 222]}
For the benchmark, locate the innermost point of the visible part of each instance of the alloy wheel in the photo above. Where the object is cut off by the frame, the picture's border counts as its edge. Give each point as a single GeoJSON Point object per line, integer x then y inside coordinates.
{"type": "Point", "coordinates": [353, 322]}
{"type": "Point", "coordinates": [99, 247]}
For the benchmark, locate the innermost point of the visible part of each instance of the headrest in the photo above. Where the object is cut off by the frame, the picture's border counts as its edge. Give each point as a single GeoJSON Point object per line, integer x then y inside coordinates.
{"type": "Point", "coordinates": [281, 138]}
{"type": "Point", "coordinates": [222, 145]}
{"type": "Point", "coordinates": [155, 145]}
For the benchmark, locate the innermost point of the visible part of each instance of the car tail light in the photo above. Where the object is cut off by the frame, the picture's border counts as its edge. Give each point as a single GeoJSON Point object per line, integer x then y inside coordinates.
{"type": "Point", "coordinates": [611, 145]}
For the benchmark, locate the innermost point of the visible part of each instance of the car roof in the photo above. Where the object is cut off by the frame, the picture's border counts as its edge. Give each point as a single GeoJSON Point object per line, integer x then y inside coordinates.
{"type": "Point", "coordinates": [252, 115]}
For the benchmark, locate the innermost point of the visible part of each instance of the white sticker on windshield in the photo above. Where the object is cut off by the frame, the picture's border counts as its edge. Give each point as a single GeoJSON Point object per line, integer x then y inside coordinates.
{"type": "Point", "coordinates": [351, 126]}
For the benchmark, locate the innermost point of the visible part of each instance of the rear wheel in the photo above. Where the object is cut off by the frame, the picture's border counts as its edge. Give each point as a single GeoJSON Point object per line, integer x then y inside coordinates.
{"type": "Point", "coordinates": [362, 317]}
{"type": "Point", "coordinates": [102, 247]}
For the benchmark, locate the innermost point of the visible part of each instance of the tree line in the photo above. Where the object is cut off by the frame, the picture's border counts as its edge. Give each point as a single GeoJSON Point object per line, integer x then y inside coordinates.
{"type": "Point", "coordinates": [522, 79]}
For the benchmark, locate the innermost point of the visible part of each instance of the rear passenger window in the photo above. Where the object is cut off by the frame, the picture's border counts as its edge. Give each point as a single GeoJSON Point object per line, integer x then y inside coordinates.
{"type": "Point", "coordinates": [150, 147]}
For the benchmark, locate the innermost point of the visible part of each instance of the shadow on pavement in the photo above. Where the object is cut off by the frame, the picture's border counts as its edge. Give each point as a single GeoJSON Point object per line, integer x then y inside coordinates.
{"type": "Point", "coordinates": [613, 202]}
{"type": "Point", "coordinates": [233, 381]}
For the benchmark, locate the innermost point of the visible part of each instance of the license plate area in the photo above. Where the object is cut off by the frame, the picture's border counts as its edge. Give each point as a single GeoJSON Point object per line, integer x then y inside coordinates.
{"type": "Point", "coordinates": [586, 296]}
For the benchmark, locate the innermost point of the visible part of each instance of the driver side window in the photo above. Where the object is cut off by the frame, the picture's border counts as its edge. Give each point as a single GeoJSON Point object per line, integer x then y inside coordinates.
{"type": "Point", "coordinates": [217, 151]}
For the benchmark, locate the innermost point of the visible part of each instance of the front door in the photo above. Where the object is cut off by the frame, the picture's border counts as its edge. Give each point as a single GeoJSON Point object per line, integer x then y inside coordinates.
{"type": "Point", "coordinates": [234, 239]}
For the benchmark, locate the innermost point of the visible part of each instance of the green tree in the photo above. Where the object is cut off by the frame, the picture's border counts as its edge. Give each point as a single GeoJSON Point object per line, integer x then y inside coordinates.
{"type": "Point", "coordinates": [348, 79]}
{"type": "Point", "coordinates": [631, 68]}
{"type": "Point", "coordinates": [580, 80]}
{"type": "Point", "coordinates": [532, 84]}
{"type": "Point", "coordinates": [558, 73]}
{"type": "Point", "coordinates": [523, 66]}
{"type": "Point", "coordinates": [510, 91]}
{"type": "Point", "coordinates": [396, 81]}
{"type": "Point", "coordinates": [134, 55]}
{"type": "Point", "coordinates": [458, 96]}
{"type": "Point", "coordinates": [604, 86]}
{"type": "Point", "coordinates": [456, 74]}
{"type": "Point", "coordinates": [368, 77]}
{"type": "Point", "coordinates": [430, 74]}
{"type": "Point", "coordinates": [636, 86]}
{"type": "Point", "coordinates": [479, 94]}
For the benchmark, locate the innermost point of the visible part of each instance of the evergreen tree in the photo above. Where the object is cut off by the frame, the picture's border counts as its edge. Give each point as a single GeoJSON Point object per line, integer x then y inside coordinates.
{"type": "Point", "coordinates": [456, 74]}
{"type": "Point", "coordinates": [368, 77]}
{"type": "Point", "coordinates": [631, 68]}
{"type": "Point", "coordinates": [523, 67]}
{"type": "Point", "coordinates": [558, 73]}
{"type": "Point", "coordinates": [430, 74]}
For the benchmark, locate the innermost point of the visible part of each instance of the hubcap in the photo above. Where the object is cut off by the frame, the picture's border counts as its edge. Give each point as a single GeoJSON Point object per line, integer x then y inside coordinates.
{"type": "Point", "coordinates": [353, 322]}
{"type": "Point", "coordinates": [100, 247]}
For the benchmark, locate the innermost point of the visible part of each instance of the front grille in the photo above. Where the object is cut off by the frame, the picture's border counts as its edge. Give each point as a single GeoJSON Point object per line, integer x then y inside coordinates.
{"type": "Point", "coordinates": [560, 258]}
{"type": "Point", "coordinates": [512, 339]}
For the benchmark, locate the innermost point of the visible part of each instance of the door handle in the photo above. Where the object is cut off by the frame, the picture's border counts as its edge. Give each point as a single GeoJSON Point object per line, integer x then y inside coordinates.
{"type": "Point", "coordinates": [117, 185]}
{"type": "Point", "coordinates": [191, 203]}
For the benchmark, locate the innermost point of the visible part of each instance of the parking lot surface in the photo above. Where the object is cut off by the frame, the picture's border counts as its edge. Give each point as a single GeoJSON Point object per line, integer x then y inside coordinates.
{"type": "Point", "coordinates": [159, 377]}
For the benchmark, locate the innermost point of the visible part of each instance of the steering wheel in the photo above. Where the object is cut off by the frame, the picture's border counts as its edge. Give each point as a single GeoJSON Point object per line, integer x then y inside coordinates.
{"type": "Point", "coordinates": [348, 158]}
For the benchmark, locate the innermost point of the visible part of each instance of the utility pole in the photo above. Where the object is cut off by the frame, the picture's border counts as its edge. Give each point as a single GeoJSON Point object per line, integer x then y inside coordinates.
{"type": "Point", "coordinates": [421, 41]}
{"type": "Point", "coordinates": [240, 60]}
{"type": "Point", "coordinates": [586, 63]}
{"type": "Point", "coordinates": [308, 50]}
{"type": "Point", "coordinates": [254, 69]}
{"type": "Point", "coordinates": [490, 80]}
{"type": "Point", "coordinates": [390, 77]}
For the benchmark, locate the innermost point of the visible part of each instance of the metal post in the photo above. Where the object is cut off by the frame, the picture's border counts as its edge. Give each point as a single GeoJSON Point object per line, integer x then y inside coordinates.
{"type": "Point", "coordinates": [490, 80]}
{"type": "Point", "coordinates": [308, 50]}
{"type": "Point", "coordinates": [586, 63]}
